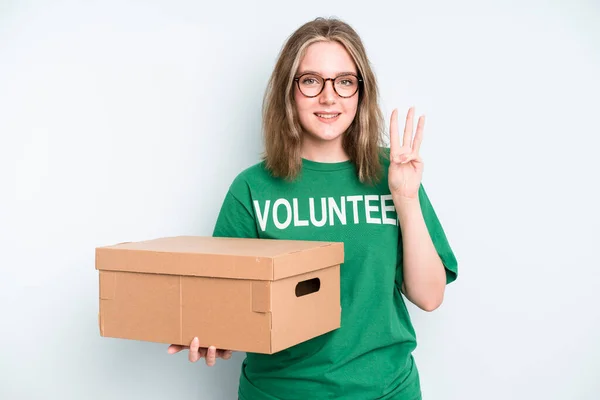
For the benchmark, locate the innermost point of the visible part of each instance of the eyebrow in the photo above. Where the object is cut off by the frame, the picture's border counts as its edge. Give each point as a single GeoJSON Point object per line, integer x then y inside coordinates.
{"type": "Point", "coordinates": [317, 73]}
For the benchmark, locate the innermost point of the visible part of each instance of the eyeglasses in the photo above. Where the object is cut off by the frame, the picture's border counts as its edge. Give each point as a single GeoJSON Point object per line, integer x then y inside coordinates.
{"type": "Point", "coordinates": [311, 85]}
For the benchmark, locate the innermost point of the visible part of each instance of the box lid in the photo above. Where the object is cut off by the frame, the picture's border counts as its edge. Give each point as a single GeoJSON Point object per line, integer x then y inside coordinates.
{"type": "Point", "coordinates": [257, 259]}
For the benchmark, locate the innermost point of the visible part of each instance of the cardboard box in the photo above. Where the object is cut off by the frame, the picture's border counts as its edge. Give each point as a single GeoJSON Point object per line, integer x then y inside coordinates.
{"type": "Point", "coordinates": [254, 295]}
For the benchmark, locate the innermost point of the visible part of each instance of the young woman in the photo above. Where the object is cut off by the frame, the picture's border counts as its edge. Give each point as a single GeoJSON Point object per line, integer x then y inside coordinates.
{"type": "Point", "coordinates": [325, 176]}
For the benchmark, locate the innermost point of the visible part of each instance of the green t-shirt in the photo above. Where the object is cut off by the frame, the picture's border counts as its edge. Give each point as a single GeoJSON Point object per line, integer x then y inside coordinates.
{"type": "Point", "coordinates": [370, 355]}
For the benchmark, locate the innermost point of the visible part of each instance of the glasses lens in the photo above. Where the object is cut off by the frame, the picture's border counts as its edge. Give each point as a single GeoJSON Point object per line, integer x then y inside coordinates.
{"type": "Point", "coordinates": [346, 85]}
{"type": "Point", "coordinates": [310, 85]}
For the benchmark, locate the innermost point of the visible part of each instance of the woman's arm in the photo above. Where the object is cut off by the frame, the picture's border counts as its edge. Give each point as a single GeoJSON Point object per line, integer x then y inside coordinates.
{"type": "Point", "coordinates": [424, 276]}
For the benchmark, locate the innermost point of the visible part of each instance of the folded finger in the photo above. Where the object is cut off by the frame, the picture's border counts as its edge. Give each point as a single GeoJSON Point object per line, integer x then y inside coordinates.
{"type": "Point", "coordinates": [211, 356]}
{"type": "Point", "coordinates": [224, 354]}
{"type": "Point", "coordinates": [194, 355]}
{"type": "Point", "coordinates": [406, 158]}
{"type": "Point", "coordinates": [403, 158]}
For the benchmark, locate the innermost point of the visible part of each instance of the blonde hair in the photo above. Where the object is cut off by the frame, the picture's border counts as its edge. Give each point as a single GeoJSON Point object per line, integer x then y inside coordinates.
{"type": "Point", "coordinates": [281, 127]}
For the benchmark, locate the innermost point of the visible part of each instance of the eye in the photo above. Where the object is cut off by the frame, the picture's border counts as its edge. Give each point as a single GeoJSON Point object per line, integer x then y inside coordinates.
{"type": "Point", "coordinates": [347, 81]}
{"type": "Point", "coordinates": [310, 80]}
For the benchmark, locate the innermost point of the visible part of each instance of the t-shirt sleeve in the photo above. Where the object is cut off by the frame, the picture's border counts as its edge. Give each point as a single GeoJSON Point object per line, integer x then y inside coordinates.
{"type": "Point", "coordinates": [236, 216]}
{"type": "Point", "coordinates": [438, 237]}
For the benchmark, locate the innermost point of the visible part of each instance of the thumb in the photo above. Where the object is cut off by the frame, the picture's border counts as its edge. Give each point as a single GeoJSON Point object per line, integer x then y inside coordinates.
{"type": "Point", "coordinates": [174, 349]}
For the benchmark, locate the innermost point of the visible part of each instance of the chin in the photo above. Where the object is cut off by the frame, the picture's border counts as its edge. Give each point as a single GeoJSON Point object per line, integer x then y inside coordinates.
{"type": "Point", "coordinates": [327, 132]}
{"type": "Point", "coordinates": [325, 136]}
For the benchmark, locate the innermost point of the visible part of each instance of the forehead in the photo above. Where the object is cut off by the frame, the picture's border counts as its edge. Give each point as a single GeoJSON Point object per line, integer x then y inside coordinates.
{"type": "Point", "coordinates": [327, 58]}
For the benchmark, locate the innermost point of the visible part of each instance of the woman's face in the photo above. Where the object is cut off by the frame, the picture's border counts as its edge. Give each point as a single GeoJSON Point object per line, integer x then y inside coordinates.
{"type": "Point", "coordinates": [327, 116]}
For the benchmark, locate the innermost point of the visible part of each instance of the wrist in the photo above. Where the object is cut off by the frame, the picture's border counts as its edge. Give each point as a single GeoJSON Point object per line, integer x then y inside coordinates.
{"type": "Point", "coordinates": [406, 207]}
{"type": "Point", "coordinates": [406, 201]}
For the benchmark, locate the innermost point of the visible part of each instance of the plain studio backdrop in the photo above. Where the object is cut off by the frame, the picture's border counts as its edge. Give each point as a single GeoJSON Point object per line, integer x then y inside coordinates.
{"type": "Point", "coordinates": [128, 120]}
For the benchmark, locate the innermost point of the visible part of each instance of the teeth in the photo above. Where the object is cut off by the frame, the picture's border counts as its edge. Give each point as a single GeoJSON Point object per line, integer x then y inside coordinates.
{"type": "Point", "coordinates": [327, 116]}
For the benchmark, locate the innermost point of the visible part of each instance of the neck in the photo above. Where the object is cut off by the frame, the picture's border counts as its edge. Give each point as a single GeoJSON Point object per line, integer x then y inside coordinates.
{"type": "Point", "coordinates": [323, 151]}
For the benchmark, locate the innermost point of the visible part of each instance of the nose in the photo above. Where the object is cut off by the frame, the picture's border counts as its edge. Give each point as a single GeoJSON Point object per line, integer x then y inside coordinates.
{"type": "Point", "coordinates": [328, 94]}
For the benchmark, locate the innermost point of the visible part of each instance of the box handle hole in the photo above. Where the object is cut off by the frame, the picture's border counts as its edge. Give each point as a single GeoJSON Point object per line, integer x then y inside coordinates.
{"type": "Point", "coordinates": [307, 287]}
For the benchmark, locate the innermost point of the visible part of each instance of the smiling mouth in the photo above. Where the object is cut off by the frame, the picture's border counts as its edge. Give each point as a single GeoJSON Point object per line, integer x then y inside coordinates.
{"type": "Point", "coordinates": [327, 116]}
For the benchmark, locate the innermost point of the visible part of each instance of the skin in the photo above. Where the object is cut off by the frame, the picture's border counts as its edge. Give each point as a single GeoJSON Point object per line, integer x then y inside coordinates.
{"type": "Point", "coordinates": [322, 141]}
{"type": "Point", "coordinates": [424, 274]}
{"type": "Point", "coordinates": [210, 354]}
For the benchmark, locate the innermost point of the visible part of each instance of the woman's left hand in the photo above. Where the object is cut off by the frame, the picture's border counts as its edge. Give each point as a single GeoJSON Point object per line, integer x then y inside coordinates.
{"type": "Point", "coordinates": [406, 166]}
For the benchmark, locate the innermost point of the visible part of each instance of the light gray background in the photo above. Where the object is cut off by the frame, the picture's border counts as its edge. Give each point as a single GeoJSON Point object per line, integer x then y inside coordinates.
{"type": "Point", "coordinates": [127, 120]}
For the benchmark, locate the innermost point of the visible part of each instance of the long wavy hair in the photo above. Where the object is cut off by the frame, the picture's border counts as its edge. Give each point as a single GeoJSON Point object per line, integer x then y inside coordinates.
{"type": "Point", "coordinates": [281, 127]}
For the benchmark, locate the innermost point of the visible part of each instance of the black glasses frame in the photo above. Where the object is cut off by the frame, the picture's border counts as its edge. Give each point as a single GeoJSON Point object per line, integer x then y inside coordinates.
{"type": "Point", "coordinates": [297, 80]}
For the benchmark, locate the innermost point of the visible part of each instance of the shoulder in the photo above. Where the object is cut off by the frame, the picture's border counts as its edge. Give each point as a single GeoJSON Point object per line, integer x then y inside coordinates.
{"type": "Point", "coordinates": [256, 174]}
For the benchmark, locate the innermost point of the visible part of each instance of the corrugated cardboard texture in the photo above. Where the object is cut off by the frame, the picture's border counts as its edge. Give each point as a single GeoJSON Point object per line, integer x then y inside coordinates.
{"type": "Point", "coordinates": [142, 306]}
{"type": "Point", "coordinates": [167, 300]}
{"type": "Point", "coordinates": [260, 259]}
{"type": "Point", "coordinates": [296, 319]}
